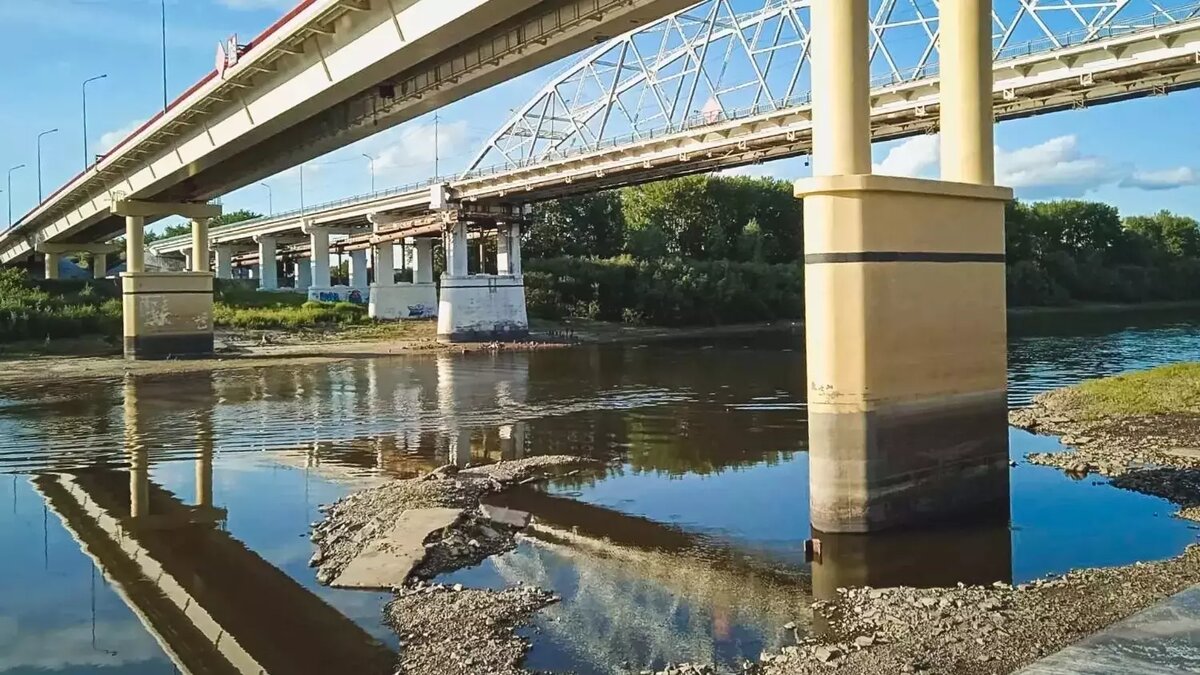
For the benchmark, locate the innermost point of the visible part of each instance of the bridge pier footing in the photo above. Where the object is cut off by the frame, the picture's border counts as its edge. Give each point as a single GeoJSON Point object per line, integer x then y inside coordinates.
{"type": "Point", "coordinates": [166, 314]}
{"type": "Point", "coordinates": [906, 341]}
{"type": "Point", "coordinates": [482, 308]}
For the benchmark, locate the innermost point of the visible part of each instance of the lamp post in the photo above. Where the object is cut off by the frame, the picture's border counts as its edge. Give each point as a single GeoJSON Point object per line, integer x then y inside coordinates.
{"type": "Point", "coordinates": [39, 160]}
{"type": "Point", "coordinates": [10, 173]}
{"type": "Point", "coordinates": [85, 138]}
{"type": "Point", "coordinates": [301, 189]}
{"type": "Point", "coordinates": [372, 161]}
{"type": "Point", "coordinates": [270, 199]}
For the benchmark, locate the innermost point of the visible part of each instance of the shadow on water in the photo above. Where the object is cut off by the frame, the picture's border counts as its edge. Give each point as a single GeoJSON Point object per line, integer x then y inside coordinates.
{"type": "Point", "coordinates": [146, 516]}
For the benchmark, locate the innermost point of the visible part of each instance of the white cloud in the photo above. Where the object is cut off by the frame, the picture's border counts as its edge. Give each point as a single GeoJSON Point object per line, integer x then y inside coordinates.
{"type": "Point", "coordinates": [1166, 179]}
{"type": "Point", "coordinates": [111, 138]}
{"type": "Point", "coordinates": [916, 157]}
{"type": "Point", "coordinates": [1055, 168]}
{"type": "Point", "coordinates": [751, 171]}
{"type": "Point", "coordinates": [411, 150]}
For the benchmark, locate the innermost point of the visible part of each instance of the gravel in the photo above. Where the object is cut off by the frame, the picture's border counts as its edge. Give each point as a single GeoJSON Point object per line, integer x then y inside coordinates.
{"type": "Point", "coordinates": [971, 630]}
{"type": "Point", "coordinates": [447, 631]}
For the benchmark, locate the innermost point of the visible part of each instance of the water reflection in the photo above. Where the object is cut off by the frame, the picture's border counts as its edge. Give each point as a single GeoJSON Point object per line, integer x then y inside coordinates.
{"type": "Point", "coordinates": [213, 605]}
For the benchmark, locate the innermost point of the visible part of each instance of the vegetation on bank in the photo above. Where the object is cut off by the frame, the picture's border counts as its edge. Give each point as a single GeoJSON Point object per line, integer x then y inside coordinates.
{"type": "Point", "coordinates": [670, 292]}
{"type": "Point", "coordinates": [1167, 390]}
{"type": "Point", "coordinates": [35, 310]}
{"type": "Point", "coordinates": [665, 236]}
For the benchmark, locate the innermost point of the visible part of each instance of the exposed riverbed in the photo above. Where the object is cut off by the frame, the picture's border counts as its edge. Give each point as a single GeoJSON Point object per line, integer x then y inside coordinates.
{"type": "Point", "coordinates": [690, 548]}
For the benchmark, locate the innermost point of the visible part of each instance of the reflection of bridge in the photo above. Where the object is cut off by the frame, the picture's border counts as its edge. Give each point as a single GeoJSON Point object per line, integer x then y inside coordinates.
{"type": "Point", "coordinates": [213, 605]}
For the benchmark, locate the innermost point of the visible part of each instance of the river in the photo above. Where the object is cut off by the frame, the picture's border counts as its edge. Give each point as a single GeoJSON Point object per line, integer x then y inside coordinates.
{"type": "Point", "coordinates": [690, 547]}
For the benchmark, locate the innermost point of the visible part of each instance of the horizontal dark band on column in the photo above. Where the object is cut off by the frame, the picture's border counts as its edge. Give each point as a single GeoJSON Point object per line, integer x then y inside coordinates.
{"type": "Point", "coordinates": [167, 293]}
{"type": "Point", "coordinates": [902, 256]}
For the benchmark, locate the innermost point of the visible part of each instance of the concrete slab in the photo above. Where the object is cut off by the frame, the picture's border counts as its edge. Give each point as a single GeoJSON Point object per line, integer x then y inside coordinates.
{"type": "Point", "coordinates": [505, 516]}
{"type": "Point", "coordinates": [1162, 640]}
{"type": "Point", "coordinates": [388, 560]}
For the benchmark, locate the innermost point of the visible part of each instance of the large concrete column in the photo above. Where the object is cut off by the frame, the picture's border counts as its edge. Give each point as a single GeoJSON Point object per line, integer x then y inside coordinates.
{"type": "Point", "coordinates": [199, 245]}
{"type": "Point", "coordinates": [51, 261]}
{"type": "Point", "coordinates": [385, 264]}
{"type": "Point", "coordinates": [904, 315]}
{"type": "Point", "coordinates": [358, 269]}
{"type": "Point", "coordinates": [967, 117]}
{"type": "Point", "coordinates": [135, 244]}
{"type": "Point", "coordinates": [187, 260]}
{"type": "Point", "coordinates": [423, 262]}
{"type": "Point", "coordinates": [224, 265]}
{"type": "Point", "coordinates": [99, 265]}
{"type": "Point", "coordinates": [456, 250]}
{"type": "Point", "coordinates": [303, 273]}
{"type": "Point", "coordinates": [319, 239]}
{"type": "Point", "coordinates": [503, 259]}
{"type": "Point", "coordinates": [841, 72]}
{"type": "Point", "coordinates": [514, 249]}
{"type": "Point", "coordinates": [268, 264]}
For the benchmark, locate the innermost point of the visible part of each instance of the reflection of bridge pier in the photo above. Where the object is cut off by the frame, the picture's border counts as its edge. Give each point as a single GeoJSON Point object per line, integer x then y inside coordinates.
{"type": "Point", "coordinates": [213, 605]}
{"type": "Point", "coordinates": [464, 386]}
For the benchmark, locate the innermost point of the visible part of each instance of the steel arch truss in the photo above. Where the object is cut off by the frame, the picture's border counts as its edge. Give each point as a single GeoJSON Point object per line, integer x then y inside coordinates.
{"type": "Point", "coordinates": [727, 59]}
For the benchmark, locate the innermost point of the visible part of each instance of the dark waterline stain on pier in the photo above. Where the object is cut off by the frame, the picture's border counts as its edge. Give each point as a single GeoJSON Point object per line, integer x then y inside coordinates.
{"type": "Point", "coordinates": [689, 548]}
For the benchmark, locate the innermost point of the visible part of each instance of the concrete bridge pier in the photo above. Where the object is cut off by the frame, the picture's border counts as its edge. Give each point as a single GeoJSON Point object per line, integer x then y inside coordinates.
{"type": "Point", "coordinates": [166, 314]}
{"type": "Point", "coordinates": [303, 273]}
{"type": "Point", "coordinates": [268, 265]}
{"type": "Point", "coordinates": [52, 257]}
{"type": "Point", "coordinates": [904, 292]}
{"type": "Point", "coordinates": [482, 307]}
{"type": "Point", "coordinates": [224, 261]}
{"type": "Point", "coordinates": [392, 300]}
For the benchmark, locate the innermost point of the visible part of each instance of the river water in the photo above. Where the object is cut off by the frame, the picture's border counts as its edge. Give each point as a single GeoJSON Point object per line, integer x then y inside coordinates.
{"type": "Point", "coordinates": [690, 547]}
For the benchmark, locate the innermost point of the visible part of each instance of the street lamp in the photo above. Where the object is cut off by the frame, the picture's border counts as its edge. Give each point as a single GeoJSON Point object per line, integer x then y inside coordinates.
{"type": "Point", "coordinates": [372, 161]}
{"type": "Point", "coordinates": [85, 138]}
{"type": "Point", "coordinates": [10, 173]}
{"type": "Point", "coordinates": [39, 160]}
{"type": "Point", "coordinates": [270, 199]}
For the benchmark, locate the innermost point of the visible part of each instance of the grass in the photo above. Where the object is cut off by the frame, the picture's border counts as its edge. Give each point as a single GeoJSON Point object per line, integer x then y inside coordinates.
{"type": "Point", "coordinates": [1172, 389]}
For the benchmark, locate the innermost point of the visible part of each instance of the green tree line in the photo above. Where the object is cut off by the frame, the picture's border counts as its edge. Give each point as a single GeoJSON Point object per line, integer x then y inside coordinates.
{"type": "Point", "coordinates": [713, 249]}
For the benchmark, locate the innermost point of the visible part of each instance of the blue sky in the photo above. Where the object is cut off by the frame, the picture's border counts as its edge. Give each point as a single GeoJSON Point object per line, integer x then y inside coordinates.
{"type": "Point", "coordinates": [1142, 155]}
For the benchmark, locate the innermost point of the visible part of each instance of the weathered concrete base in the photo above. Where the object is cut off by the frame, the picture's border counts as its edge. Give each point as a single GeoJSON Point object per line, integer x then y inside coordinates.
{"type": "Point", "coordinates": [480, 308]}
{"type": "Point", "coordinates": [337, 294]}
{"type": "Point", "coordinates": [404, 301]}
{"type": "Point", "coordinates": [933, 461]}
{"type": "Point", "coordinates": [167, 315]}
{"type": "Point", "coordinates": [906, 345]}
{"type": "Point", "coordinates": [388, 560]}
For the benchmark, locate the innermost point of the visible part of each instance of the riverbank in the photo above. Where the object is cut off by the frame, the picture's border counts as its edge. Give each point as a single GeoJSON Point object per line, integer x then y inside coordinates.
{"type": "Point", "coordinates": [1140, 429]}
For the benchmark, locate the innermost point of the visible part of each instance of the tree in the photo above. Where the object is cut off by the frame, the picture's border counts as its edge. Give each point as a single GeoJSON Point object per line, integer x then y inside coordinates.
{"type": "Point", "coordinates": [180, 229]}
{"type": "Point", "coordinates": [1077, 226]}
{"type": "Point", "coordinates": [581, 226]}
{"type": "Point", "coordinates": [1173, 234]}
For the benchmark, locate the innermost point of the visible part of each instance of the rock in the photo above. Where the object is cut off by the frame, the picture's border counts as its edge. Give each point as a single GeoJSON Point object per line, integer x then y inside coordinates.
{"type": "Point", "coordinates": [864, 641]}
{"type": "Point", "coordinates": [825, 653]}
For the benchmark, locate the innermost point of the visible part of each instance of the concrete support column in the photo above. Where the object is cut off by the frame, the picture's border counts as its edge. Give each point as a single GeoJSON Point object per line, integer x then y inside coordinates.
{"type": "Point", "coordinates": [319, 238]}
{"type": "Point", "coordinates": [51, 261]}
{"type": "Point", "coordinates": [385, 264]}
{"type": "Point", "coordinates": [514, 249]}
{"type": "Point", "coordinates": [99, 265]}
{"type": "Point", "coordinates": [841, 74]}
{"type": "Point", "coordinates": [967, 118]}
{"type": "Point", "coordinates": [224, 262]}
{"type": "Point", "coordinates": [303, 273]}
{"type": "Point", "coordinates": [423, 262]}
{"type": "Point", "coordinates": [456, 250]}
{"type": "Point", "coordinates": [135, 244]}
{"type": "Point", "coordinates": [358, 269]}
{"type": "Point", "coordinates": [187, 260]}
{"type": "Point", "coordinates": [503, 259]}
{"type": "Point", "coordinates": [267, 263]}
{"type": "Point", "coordinates": [904, 313]}
{"type": "Point", "coordinates": [199, 245]}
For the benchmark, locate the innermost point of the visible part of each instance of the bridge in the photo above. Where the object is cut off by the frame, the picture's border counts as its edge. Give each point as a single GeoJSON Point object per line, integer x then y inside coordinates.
{"type": "Point", "coordinates": [904, 303]}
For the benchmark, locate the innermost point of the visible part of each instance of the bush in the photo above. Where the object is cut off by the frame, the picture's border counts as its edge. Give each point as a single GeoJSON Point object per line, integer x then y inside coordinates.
{"type": "Point", "coordinates": [38, 310]}
{"type": "Point", "coordinates": [308, 315]}
{"type": "Point", "coordinates": [670, 292]}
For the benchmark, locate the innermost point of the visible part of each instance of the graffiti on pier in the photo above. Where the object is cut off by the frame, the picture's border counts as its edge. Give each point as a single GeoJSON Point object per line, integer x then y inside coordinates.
{"type": "Point", "coordinates": [421, 311]}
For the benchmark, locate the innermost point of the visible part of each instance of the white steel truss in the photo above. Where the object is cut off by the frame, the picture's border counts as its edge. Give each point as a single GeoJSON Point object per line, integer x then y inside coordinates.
{"type": "Point", "coordinates": [723, 60]}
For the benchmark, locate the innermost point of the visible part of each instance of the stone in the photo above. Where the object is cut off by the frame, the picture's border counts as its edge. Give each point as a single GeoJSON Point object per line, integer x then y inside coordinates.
{"type": "Point", "coordinates": [825, 653]}
{"type": "Point", "coordinates": [505, 516]}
